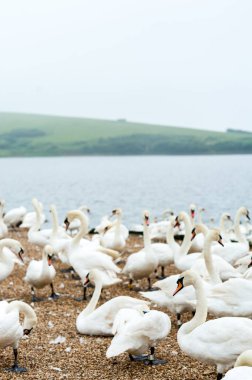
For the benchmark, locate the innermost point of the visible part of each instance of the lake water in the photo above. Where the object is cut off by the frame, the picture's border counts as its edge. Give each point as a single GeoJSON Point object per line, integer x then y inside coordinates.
{"type": "Point", "coordinates": [218, 183]}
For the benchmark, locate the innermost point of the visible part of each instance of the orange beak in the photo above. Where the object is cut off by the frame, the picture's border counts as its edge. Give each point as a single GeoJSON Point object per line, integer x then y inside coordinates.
{"type": "Point", "coordinates": [179, 287]}
{"type": "Point", "coordinates": [49, 261]}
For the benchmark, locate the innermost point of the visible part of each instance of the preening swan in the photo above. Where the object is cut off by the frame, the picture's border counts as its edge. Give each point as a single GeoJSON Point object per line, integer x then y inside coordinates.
{"type": "Point", "coordinates": [137, 331]}
{"type": "Point", "coordinates": [9, 250]}
{"type": "Point", "coordinates": [92, 321]}
{"type": "Point", "coordinates": [84, 255]}
{"type": "Point", "coordinates": [217, 341]}
{"type": "Point", "coordinates": [11, 329]}
{"type": "Point", "coordinates": [243, 368]}
{"type": "Point", "coordinates": [41, 273]}
{"type": "Point", "coordinates": [114, 237]}
{"type": "Point", "coordinates": [143, 263]}
{"type": "Point", "coordinates": [14, 217]}
{"type": "Point", "coordinates": [35, 235]}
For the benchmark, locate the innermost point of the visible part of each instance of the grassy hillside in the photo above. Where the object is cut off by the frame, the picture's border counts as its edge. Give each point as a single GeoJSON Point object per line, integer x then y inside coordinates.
{"type": "Point", "coordinates": [36, 135]}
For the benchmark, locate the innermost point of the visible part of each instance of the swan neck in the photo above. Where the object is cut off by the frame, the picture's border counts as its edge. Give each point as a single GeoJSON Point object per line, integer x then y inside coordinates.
{"type": "Point", "coordinates": [201, 309]}
{"type": "Point", "coordinates": [55, 221]}
{"type": "Point", "coordinates": [170, 235]}
{"type": "Point", "coordinates": [22, 307]}
{"type": "Point", "coordinates": [187, 238]}
{"type": "Point", "coordinates": [147, 241]}
{"type": "Point", "coordinates": [214, 275]}
{"type": "Point", "coordinates": [94, 300]}
{"type": "Point", "coordinates": [83, 228]}
{"type": "Point", "coordinates": [237, 228]}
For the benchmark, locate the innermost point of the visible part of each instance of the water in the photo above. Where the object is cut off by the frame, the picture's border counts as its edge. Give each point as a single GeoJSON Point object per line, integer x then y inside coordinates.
{"type": "Point", "coordinates": [218, 183]}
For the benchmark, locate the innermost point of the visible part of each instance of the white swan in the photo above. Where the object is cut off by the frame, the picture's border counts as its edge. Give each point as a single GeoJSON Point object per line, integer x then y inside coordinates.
{"type": "Point", "coordinates": [180, 304]}
{"type": "Point", "coordinates": [9, 248]}
{"type": "Point", "coordinates": [115, 236]}
{"type": "Point", "coordinates": [243, 368]}
{"type": "Point", "coordinates": [143, 263]}
{"type": "Point", "coordinates": [75, 224]}
{"type": "Point", "coordinates": [137, 331]}
{"type": "Point", "coordinates": [92, 321]}
{"type": "Point", "coordinates": [11, 329]}
{"type": "Point", "coordinates": [3, 227]}
{"type": "Point", "coordinates": [84, 255]}
{"type": "Point", "coordinates": [30, 218]}
{"type": "Point", "coordinates": [14, 217]}
{"type": "Point", "coordinates": [217, 341]}
{"type": "Point", "coordinates": [234, 251]}
{"type": "Point", "coordinates": [41, 273]}
{"type": "Point", "coordinates": [35, 235]}
{"type": "Point", "coordinates": [222, 267]}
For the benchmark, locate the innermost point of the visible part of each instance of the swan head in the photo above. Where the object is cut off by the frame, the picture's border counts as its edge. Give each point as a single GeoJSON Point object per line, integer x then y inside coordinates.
{"type": "Point", "coordinates": [146, 218]}
{"type": "Point", "coordinates": [199, 229]}
{"type": "Point", "coordinates": [192, 210]}
{"type": "Point", "coordinates": [244, 359]}
{"type": "Point", "coordinates": [91, 277]}
{"type": "Point", "coordinates": [2, 202]}
{"type": "Point", "coordinates": [84, 209]}
{"type": "Point", "coordinates": [168, 213]}
{"type": "Point", "coordinates": [30, 321]}
{"type": "Point", "coordinates": [187, 278]}
{"type": "Point", "coordinates": [117, 212]}
{"type": "Point", "coordinates": [214, 235]}
{"type": "Point", "coordinates": [15, 246]}
{"type": "Point", "coordinates": [49, 252]}
{"type": "Point", "coordinates": [243, 211]}
{"type": "Point", "coordinates": [74, 214]}
{"type": "Point", "coordinates": [182, 217]}
{"type": "Point", "coordinates": [226, 217]}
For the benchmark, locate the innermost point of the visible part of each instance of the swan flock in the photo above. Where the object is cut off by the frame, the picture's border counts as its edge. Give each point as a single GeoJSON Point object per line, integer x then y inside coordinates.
{"type": "Point", "coordinates": [181, 265]}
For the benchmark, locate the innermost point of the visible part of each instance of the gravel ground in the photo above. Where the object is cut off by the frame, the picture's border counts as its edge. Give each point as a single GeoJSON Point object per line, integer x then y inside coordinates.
{"type": "Point", "coordinates": [83, 357]}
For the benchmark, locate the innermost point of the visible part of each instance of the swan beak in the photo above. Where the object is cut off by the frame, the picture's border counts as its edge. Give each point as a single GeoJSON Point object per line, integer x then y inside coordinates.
{"type": "Point", "coordinates": [179, 287]}
{"type": "Point", "coordinates": [49, 260]}
{"type": "Point", "coordinates": [67, 223]}
{"type": "Point", "coordinates": [192, 214]}
{"type": "Point", "coordinates": [250, 265]}
{"type": "Point", "coordinates": [220, 241]}
{"type": "Point", "coordinates": [193, 234]}
{"type": "Point", "coordinates": [27, 331]}
{"type": "Point", "coordinates": [177, 224]}
{"type": "Point", "coordinates": [248, 216]}
{"type": "Point", "coordinates": [20, 253]}
{"type": "Point", "coordinates": [86, 282]}
{"type": "Point", "coordinates": [147, 221]}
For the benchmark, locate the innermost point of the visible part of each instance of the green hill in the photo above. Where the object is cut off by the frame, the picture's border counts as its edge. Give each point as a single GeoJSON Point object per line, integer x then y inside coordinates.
{"type": "Point", "coordinates": [37, 135]}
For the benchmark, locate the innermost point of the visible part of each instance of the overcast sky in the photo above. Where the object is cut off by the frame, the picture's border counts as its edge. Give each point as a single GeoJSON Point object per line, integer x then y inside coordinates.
{"type": "Point", "coordinates": [177, 62]}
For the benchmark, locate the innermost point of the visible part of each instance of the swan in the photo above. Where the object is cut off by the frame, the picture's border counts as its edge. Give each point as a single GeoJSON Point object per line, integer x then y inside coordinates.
{"type": "Point", "coordinates": [29, 219]}
{"type": "Point", "coordinates": [75, 224]}
{"type": "Point", "coordinates": [59, 236]}
{"type": "Point", "coordinates": [143, 263]}
{"type": "Point", "coordinates": [136, 331]}
{"type": "Point", "coordinates": [92, 321]}
{"type": "Point", "coordinates": [115, 237]}
{"type": "Point", "coordinates": [234, 251]}
{"type": "Point", "coordinates": [217, 341]}
{"type": "Point", "coordinates": [165, 251]}
{"type": "Point", "coordinates": [3, 227]}
{"type": "Point", "coordinates": [158, 230]}
{"type": "Point", "coordinates": [224, 269]}
{"type": "Point", "coordinates": [14, 217]}
{"type": "Point", "coordinates": [180, 304]}
{"type": "Point", "coordinates": [225, 233]}
{"type": "Point", "coordinates": [198, 242]}
{"type": "Point", "coordinates": [41, 273]}
{"type": "Point", "coordinates": [35, 235]}
{"type": "Point", "coordinates": [9, 248]}
{"type": "Point", "coordinates": [11, 329]}
{"type": "Point", "coordinates": [242, 369]}
{"type": "Point", "coordinates": [83, 255]}
{"type": "Point", "coordinates": [105, 224]}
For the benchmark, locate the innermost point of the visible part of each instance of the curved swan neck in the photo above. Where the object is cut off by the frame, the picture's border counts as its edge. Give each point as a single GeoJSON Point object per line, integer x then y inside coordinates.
{"type": "Point", "coordinates": [94, 300]}
{"type": "Point", "coordinates": [83, 227]}
{"type": "Point", "coordinates": [214, 275]}
{"type": "Point", "coordinates": [237, 227]}
{"type": "Point", "coordinates": [187, 238]}
{"type": "Point", "coordinates": [170, 235]}
{"type": "Point", "coordinates": [9, 243]}
{"type": "Point", "coordinates": [22, 307]}
{"type": "Point", "coordinates": [201, 309]}
{"type": "Point", "coordinates": [55, 221]}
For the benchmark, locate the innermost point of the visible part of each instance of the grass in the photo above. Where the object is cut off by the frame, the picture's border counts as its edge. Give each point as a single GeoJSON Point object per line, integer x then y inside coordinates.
{"type": "Point", "coordinates": [37, 135]}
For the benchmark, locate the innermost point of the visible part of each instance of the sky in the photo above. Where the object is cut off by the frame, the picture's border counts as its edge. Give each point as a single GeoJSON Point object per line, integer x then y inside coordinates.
{"type": "Point", "coordinates": [171, 62]}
